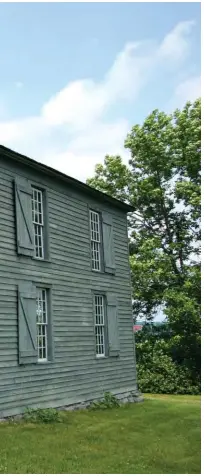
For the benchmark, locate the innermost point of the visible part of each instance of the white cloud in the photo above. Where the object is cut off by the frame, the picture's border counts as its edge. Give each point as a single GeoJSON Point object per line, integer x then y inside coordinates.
{"type": "Point", "coordinates": [176, 44]}
{"type": "Point", "coordinates": [125, 78]}
{"type": "Point", "coordinates": [78, 104]}
{"type": "Point", "coordinates": [101, 136]}
{"type": "Point", "coordinates": [88, 149]}
{"type": "Point", "coordinates": [188, 90]}
{"type": "Point", "coordinates": [83, 102]}
{"type": "Point", "coordinates": [71, 132]}
{"type": "Point", "coordinates": [22, 134]}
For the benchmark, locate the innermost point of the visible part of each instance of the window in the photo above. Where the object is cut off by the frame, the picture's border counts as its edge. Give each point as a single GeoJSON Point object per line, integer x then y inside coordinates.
{"type": "Point", "coordinates": [42, 324]}
{"type": "Point", "coordinates": [95, 240]}
{"type": "Point", "coordinates": [38, 222]}
{"type": "Point", "coordinates": [32, 223]}
{"type": "Point", "coordinates": [99, 305]}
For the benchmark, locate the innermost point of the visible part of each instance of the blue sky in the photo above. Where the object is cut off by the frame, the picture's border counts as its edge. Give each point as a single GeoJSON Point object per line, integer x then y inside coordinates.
{"type": "Point", "coordinates": [76, 77]}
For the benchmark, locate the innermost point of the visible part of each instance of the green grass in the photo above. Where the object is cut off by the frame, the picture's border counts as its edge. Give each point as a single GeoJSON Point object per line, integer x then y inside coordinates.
{"type": "Point", "coordinates": [160, 435]}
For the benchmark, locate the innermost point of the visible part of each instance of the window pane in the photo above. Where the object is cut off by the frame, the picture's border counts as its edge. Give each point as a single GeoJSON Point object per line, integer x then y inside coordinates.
{"type": "Point", "coordinates": [95, 240]}
{"type": "Point", "coordinates": [95, 255]}
{"type": "Point", "coordinates": [41, 321]}
{"type": "Point", "coordinates": [37, 218]}
{"type": "Point", "coordinates": [95, 226]}
{"type": "Point", "coordinates": [99, 324]}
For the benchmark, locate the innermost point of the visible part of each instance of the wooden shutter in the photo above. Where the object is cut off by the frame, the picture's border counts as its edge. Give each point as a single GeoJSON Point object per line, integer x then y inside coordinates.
{"type": "Point", "coordinates": [112, 317]}
{"type": "Point", "coordinates": [24, 225]}
{"type": "Point", "coordinates": [27, 327]}
{"type": "Point", "coordinates": [108, 243]}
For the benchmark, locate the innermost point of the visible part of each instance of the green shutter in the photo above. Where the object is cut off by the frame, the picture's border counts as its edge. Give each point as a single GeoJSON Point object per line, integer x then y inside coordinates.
{"type": "Point", "coordinates": [24, 226]}
{"type": "Point", "coordinates": [112, 317]}
{"type": "Point", "coordinates": [27, 328]}
{"type": "Point", "coordinates": [108, 243]}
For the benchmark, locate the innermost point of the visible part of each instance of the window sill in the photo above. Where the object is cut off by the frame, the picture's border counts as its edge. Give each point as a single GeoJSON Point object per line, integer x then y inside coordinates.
{"type": "Point", "coordinates": [98, 357]}
{"type": "Point", "coordinates": [97, 271]}
{"type": "Point", "coordinates": [44, 362]}
{"type": "Point", "coordinates": [105, 273]}
{"type": "Point", "coordinates": [40, 260]}
{"type": "Point", "coordinates": [110, 357]}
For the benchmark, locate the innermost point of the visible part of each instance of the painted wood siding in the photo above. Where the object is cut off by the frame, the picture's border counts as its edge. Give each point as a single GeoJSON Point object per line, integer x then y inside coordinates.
{"type": "Point", "coordinates": [75, 374]}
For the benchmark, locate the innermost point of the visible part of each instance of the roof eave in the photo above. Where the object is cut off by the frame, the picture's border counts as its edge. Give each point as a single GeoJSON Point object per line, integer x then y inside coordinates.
{"type": "Point", "coordinates": [65, 178]}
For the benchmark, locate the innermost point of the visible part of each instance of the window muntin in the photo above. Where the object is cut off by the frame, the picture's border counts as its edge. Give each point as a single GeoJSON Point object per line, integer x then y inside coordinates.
{"type": "Point", "coordinates": [99, 310]}
{"type": "Point", "coordinates": [42, 324]}
{"type": "Point", "coordinates": [38, 222]}
{"type": "Point", "coordinates": [95, 240]}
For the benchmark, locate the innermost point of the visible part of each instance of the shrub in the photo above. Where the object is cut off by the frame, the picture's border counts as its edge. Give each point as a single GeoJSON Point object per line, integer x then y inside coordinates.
{"type": "Point", "coordinates": [42, 415]}
{"type": "Point", "coordinates": [109, 401]}
{"type": "Point", "coordinates": [159, 374]}
{"type": "Point", "coordinates": [158, 368]}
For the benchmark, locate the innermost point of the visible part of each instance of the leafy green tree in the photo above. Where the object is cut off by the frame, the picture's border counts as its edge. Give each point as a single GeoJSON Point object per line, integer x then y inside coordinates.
{"type": "Point", "coordinates": [159, 370]}
{"type": "Point", "coordinates": [162, 182]}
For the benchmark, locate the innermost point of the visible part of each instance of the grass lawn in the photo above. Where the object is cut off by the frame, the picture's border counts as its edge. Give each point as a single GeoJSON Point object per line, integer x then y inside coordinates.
{"type": "Point", "coordinates": [160, 435]}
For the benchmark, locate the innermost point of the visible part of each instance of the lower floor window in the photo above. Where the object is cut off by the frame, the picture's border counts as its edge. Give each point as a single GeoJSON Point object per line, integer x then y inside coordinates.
{"type": "Point", "coordinates": [99, 305]}
{"type": "Point", "coordinates": [42, 323]}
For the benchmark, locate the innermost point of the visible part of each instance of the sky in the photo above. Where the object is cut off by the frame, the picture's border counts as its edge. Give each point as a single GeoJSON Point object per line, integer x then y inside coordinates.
{"type": "Point", "coordinates": [76, 77]}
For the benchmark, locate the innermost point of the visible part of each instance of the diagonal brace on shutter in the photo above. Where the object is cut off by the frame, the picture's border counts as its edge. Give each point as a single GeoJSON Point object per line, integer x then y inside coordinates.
{"type": "Point", "coordinates": [26, 320]}
{"type": "Point", "coordinates": [22, 210]}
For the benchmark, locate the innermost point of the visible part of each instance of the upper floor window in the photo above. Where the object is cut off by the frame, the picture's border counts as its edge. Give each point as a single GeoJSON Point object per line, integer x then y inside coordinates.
{"type": "Point", "coordinates": [38, 222]}
{"type": "Point", "coordinates": [95, 228]}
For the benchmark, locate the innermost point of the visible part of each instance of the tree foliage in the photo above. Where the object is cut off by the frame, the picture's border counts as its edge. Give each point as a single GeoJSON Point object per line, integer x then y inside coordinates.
{"type": "Point", "coordinates": [162, 182]}
{"type": "Point", "coordinates": [158, 369]}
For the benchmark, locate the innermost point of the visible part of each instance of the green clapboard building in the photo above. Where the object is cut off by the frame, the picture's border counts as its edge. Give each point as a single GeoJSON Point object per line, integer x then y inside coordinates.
{"type": "Point", "coordinates": [66, 333]}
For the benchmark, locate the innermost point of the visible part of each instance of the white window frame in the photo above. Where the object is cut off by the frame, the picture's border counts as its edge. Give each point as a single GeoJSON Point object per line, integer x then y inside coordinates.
{"type": "Point", "coordinates": [95, 228]}
{"type": "Point", "coordinates": [42, 323]}
{"type": "Point", "coordinates": [38, 222]}
{"type": "Point", "coordinates": [99, 321]}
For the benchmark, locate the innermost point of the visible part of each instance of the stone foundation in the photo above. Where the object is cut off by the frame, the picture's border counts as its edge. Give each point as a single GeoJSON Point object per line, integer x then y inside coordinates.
{"type": "Point", "coordinates": [125, 397]}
